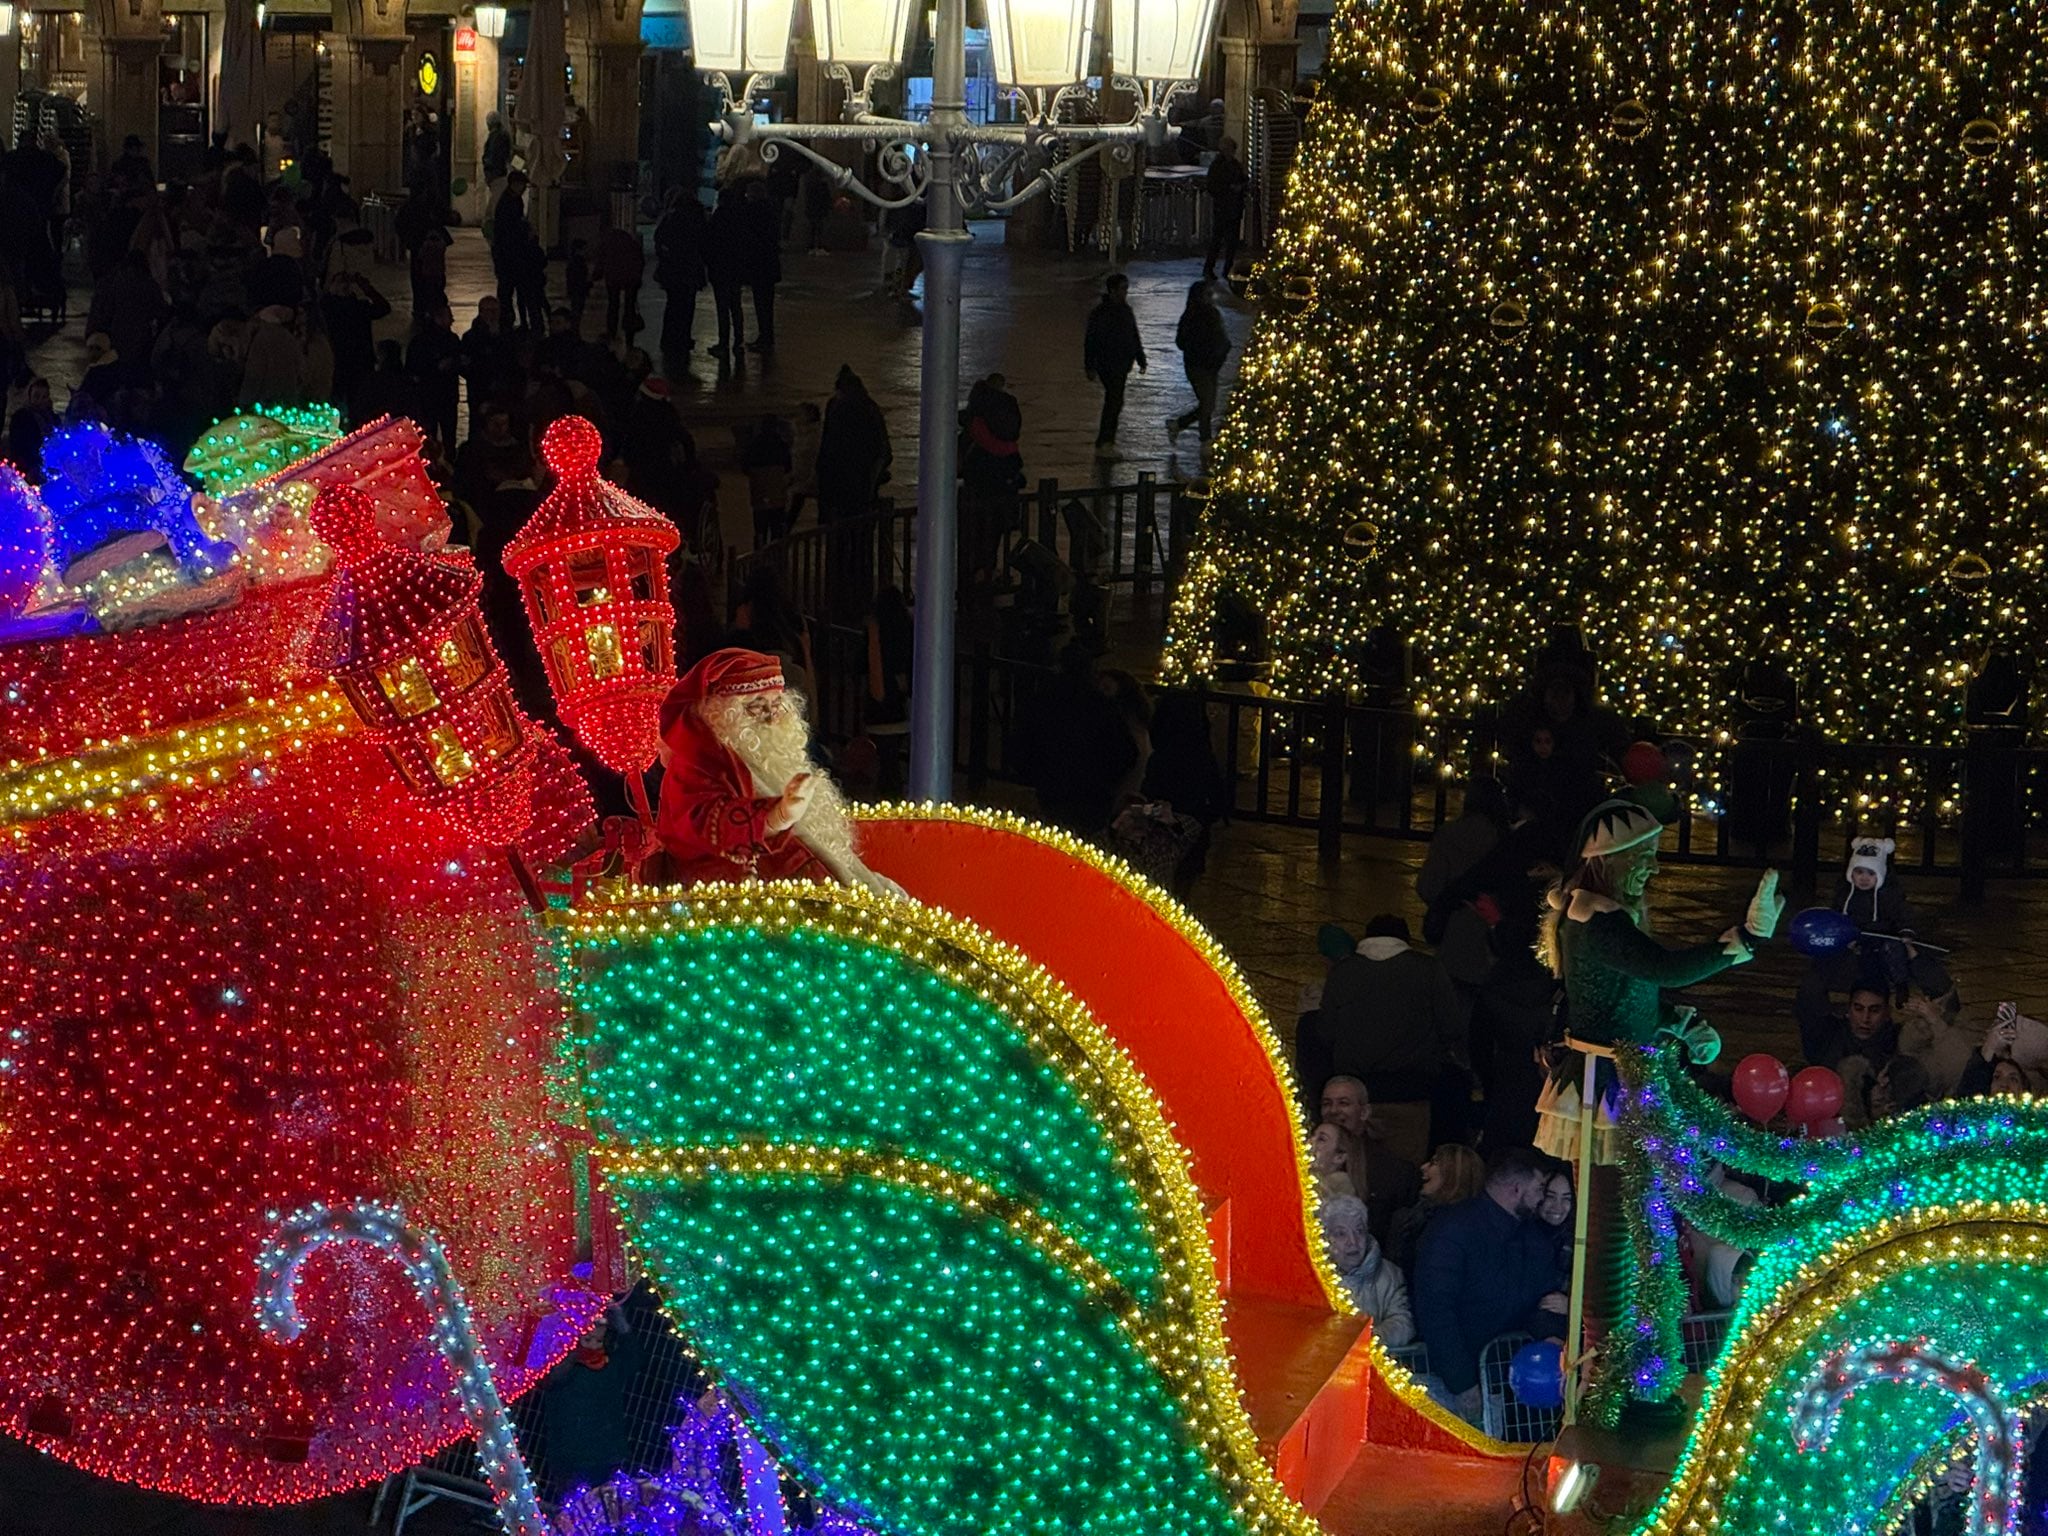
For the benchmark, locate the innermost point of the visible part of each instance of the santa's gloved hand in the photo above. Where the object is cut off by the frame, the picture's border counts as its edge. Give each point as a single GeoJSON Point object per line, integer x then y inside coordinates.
{"type": "Point", "coordinates": [1765, 907]}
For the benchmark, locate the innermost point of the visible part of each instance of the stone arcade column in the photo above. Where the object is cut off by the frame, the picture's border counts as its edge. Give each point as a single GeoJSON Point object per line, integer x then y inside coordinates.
{"type": "Point", "coordinates": [605, 48]}
{"type": "Point", "coordinates": [123, 42]}
{"type": "Point", "coordinates": [369, 47]}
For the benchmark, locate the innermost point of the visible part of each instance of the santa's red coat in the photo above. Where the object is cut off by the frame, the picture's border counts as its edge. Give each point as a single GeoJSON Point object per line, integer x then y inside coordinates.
{"type": "Point", "coordinates": [712, 823]}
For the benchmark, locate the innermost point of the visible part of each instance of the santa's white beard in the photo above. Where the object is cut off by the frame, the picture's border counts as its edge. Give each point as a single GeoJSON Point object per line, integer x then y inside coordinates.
{"type": "Point", "coordinates": [774, 754]}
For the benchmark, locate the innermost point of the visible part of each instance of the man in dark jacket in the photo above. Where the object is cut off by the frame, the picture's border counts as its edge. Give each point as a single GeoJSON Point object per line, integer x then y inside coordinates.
{"type": "Point", "coordinates": [1483, 1270]}
{"type": "Point", "coordinates": [1227, 185]}
{"type": "Point", "coordinates": [1391, 1016]}
{"type": "Point", "coordinates": [1204, 346]}
{"type": "Point", "coordinates": [1112, 349]}
{"type": "Point", "coordinates": [725, 263]}
{"type": "Point", "coordinates": [1867, 1029]}
{"type": "Point", "coordinates": [516, 257]}
{"type": "Point", "coordinates": [679, 268]}
{"type": "Point", "coordinates": [435, 361]}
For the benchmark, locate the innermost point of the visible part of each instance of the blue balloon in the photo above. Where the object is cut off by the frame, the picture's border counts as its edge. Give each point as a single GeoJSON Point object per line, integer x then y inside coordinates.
{"type": "Point", "coordinates": [1536, 1375]}
{"type": "Point", "coordinates": [1823, 931]}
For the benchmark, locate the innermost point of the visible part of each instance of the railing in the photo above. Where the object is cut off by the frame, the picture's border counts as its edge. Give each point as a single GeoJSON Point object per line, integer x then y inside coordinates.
{"type": "Point", "coordinates": [1346, 769]}
{"type": "Point", "coordinates": [1104, 536]}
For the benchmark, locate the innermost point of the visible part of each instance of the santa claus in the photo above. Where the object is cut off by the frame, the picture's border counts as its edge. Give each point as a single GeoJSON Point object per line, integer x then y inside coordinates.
{"type": "Point", "coordinates": [740, 798]}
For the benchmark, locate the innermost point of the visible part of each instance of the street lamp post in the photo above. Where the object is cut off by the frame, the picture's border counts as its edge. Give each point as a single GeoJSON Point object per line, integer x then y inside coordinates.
{"type": "Point", "coordinates": [954, 166]}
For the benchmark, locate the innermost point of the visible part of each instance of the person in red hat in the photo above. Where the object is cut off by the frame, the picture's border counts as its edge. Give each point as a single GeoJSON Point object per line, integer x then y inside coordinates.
{"type": "Point", "coordinates": [740, 797]}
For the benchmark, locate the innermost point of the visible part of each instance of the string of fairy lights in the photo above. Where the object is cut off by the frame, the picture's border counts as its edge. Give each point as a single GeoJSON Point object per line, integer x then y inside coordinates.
{"type": "Point", "coordinates": [1723, 337]}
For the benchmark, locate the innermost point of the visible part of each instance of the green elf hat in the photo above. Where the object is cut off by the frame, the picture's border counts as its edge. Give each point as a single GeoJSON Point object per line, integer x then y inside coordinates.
{"type": "Point", "coordinates": [1616, 825]}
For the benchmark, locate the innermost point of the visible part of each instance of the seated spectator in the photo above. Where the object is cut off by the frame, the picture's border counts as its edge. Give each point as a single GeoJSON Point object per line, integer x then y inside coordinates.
{"type": "Point", "coordinates": [1337, 1159]}
{"type": "Point", "coordinates": [1374, 1286]}
{"type": "Point", "coordinates": [1453, 1175]}
{"type": "Point", "coordinates": [1391, 1181]}
{"type": "Point", "coordinates": [1391, 1017]}
{"type": "Point", "coordinates": [1483, 1271]}
{"type": "Point", "coordinates": [1991, 1068]}
{"type": "Point", "coordinates": [1867, 1029]}
{"type": "Point", "coordinates": [1933, 1031]}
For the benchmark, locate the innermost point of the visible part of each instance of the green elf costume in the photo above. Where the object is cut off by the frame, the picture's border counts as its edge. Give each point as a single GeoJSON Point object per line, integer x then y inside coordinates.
{"type": "Point", "coordinates": [1615, 977]}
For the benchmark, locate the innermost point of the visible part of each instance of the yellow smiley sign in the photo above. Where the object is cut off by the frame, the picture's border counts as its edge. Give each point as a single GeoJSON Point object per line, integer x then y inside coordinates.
{"type": "Point", "coordinates": [430, 76]}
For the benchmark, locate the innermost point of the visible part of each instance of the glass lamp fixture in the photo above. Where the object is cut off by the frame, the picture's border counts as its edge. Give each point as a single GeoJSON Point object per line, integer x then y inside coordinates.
{"type": "Point", "coordinates": [1160, 39]}
{"type": "Point", "coordinates": [860, 32]}
{"type": "Point", "coordinates": [1041, 43]}
{"type": "Point", "coordinates": [742, 36]}
{"type": "Point", "coordinates": [490, 21]}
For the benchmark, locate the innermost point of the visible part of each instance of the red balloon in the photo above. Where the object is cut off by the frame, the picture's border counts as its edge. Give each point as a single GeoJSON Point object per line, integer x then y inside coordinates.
{"type": "Point", "coordinates": [1761, 1086]}
{"type": "Point", "coordinates": [1816, 1095]}
{"type": "Point", "coordinates": [1643, 763]}
{"type": "Point", "coordinates": [1826, 1130]}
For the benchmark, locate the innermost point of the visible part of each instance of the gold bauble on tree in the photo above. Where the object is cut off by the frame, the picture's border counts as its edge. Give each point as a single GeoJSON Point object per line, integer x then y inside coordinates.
{"type": "Point", "coordinates": [1826, 320]}
{"type": "Point", "coordinates": [1629, 121]}
{"type": "Point", "coordinates": [1968, 572]}
{"type": "Point", "coordinates": [1298, 293]}
{"type": "Point", "coordinates": [1361, 537]}
{"type": "Point", "coordinates": [1981, 137]}
{"type": "Point", "coordinates": [1427, 105]}
{"type": "Point", "coordinates": [1509, 320]}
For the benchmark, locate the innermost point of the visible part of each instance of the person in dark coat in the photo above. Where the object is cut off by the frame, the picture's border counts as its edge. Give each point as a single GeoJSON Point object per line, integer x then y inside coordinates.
{"type": "Point", "coordinates": [515, 253]}
{"type": "Point", "coordinates": [1483, 1269]}
{"type": "Point", "coordinates": [853, 452]}
{"type": "Point", "coordinates": [1391, 1017]}
{"type": "Point", "coordinates": [621, 267]}
{"type": "Point", "coordinates": [679, 267]}
{"type": "Point", "coordinates": [435, 362]}
{"type": "Point", "coordinates": [761, 261]}
{"type": "Point", "coordinates": [1074, 748]}
{"type": "Point", "coordinates": [589, 1435]}
{"type": "Point", "coordinates": [1113, 347]}
{"type": "Point", "coordinates": [352, 306]}
{"type": "Point", "coordinates": [725, 264]}
{"type": "Point", "coordinates": [1866, 1028]}
{"type": "Point", "coordinates": [1227, 186]}
{"type": "Point", "coordinates": [1204, 347]}
{"type": "Point", "coordinates": [389, 390]}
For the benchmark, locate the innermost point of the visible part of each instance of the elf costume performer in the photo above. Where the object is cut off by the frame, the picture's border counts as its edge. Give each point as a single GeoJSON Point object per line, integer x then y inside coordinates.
{"type": "Point", "coordinates": [740, 797]}
{"type": "Point", "coordinates": [1615, 976]}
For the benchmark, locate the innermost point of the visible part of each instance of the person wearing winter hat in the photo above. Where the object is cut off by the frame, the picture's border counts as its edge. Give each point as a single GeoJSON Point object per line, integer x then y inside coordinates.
{"type": "Point", "coordinates": [739, 797]}
{"type": "Point", "coordinates": [1869, 894]}
{"type": "Point", "coordinates": [1615, 977]}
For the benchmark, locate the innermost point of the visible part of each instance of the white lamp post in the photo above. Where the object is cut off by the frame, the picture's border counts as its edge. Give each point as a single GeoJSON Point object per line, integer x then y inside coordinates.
{"type": "Point", "coordinates": [953, 166]}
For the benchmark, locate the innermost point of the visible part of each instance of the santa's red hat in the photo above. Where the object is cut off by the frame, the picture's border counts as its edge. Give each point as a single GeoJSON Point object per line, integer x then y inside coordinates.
{"type": "Point", "coordinates": [730, 673]}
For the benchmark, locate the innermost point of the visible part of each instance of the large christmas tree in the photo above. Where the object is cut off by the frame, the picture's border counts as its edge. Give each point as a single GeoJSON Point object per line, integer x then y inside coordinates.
{"type": "Point", "coordinates": [1720, 332]}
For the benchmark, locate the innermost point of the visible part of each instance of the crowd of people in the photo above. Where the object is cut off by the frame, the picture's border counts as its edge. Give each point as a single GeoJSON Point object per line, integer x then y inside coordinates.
{"type": "Point", "coordinates": [1425, 1067]}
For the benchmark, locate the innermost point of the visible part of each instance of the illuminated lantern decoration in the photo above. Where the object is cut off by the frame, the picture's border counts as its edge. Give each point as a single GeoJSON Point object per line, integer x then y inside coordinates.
{"type": "Point", "coordinates": [404, 636]}
{"type": "Point", "coordinates": [591, 562]}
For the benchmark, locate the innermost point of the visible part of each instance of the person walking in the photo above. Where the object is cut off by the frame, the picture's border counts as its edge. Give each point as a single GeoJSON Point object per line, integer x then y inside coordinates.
{"type": "Point", "coordinates": [761, 261]}
{"type": "Point", "coordinates": [514, 253]}
{"type": "Point", "coordinates": [1227, 186]}
{"type": "Point", "coordinates": [725, 264]}
{"type": "Point", "coordinates": [1204, 345]}
{"type": "Point", "coordinates": [622, 265]}
{"type": "Point", "coordinates": [679, 268]}
{"type": "Point", "coordinates": [497, 155]}
{"type": "Point", "coordinates": [1112, 349]}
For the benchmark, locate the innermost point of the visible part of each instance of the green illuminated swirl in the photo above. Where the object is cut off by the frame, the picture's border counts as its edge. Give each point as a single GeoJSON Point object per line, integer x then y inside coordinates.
{"type": "Point", "coordinates": [1935, 1227]}
{"type": "Point", "coordinates": [919, 1213]}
